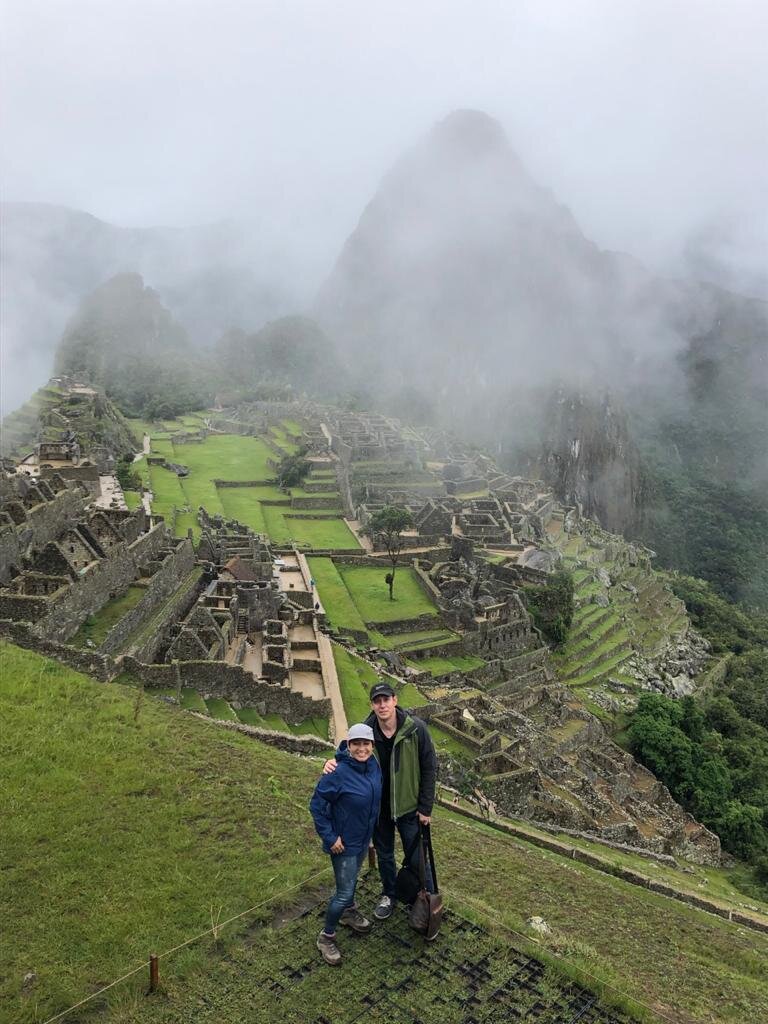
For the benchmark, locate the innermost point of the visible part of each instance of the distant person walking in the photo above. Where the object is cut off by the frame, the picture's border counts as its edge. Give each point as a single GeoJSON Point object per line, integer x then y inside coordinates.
{"type": "Point", "coordinates": [345, 808]}
{"type": "Point", "coordinates": [406, 753]}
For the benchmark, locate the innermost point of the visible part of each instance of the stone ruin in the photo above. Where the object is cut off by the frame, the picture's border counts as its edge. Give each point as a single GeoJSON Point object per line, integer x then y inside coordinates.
{"type": "Point", "coordinates": [544, 758]}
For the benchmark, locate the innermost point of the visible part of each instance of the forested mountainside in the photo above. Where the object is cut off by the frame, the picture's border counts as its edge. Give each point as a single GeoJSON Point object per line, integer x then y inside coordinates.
{"type": "Point", "coordinates": [125, 341]}
{"type": "Point", "coordinates": [212, 277]}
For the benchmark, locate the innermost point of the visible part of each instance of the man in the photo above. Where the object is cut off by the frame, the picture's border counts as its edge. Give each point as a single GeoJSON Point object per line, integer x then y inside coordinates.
{"type": "Point", "coordinates": [405, 751]}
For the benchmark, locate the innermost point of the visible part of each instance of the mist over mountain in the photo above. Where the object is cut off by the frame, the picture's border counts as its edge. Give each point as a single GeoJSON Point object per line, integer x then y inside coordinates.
{"type": "Point", "coordinates": [291, 351]}
{"type": "Point", "coordinates": [469, 271]}
{"type": "Point", "coordinates": [467, 286]}
{"type": "Point", "coordinates": [211, 277]}
{"type": "Point", "coordinates": [125, 341]}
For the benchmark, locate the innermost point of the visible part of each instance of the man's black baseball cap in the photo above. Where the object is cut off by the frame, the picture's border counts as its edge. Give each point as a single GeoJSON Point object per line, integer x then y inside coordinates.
{"type": "Point", "coordinates": [382, 690]}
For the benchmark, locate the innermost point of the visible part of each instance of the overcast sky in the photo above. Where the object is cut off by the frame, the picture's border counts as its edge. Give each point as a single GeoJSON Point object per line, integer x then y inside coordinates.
{"type": "Point", "coordinates": [647, 117]}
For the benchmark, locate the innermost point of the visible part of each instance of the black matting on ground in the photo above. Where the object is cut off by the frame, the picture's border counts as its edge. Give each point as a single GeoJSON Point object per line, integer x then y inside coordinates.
{"type": "Point", "coordinates": [393, 976]}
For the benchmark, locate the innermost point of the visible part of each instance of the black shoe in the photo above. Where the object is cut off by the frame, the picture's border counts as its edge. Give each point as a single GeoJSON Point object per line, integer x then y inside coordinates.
{"type": "Point", "coordinates": [384, 908]}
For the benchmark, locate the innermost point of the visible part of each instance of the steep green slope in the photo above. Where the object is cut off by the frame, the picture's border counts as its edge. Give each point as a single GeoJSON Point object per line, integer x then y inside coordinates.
{"type": "Point", "coordinates": [52, 410]}
{"type": "Point", "coordinates": [130, 826]}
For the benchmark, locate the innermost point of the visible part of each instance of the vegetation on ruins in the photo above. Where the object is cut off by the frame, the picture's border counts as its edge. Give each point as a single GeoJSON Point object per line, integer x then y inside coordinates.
{"type": "Point", "coordinates": [127, 476]}
{"type": "Point", "coordinates": [293, 469]}
{"type": "Point", "coordinates": [551, 606]}
{"type": "Point", "coordinates": [387, 526]}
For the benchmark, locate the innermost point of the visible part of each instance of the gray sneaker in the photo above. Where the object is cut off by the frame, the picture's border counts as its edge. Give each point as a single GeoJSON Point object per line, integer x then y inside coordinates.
{"type": "Point", "coordinates": [329, 949]}
{"type": "Point", "coordinates": [384, 908]}
{"type": "Point", "coordinates": [353, 919]}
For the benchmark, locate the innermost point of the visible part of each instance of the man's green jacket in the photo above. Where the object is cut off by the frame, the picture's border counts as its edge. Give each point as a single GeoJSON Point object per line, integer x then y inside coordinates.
{"type": "Point", "coordinates": [413, 769]}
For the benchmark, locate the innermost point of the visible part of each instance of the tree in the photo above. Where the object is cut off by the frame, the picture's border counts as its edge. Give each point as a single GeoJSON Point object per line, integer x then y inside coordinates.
{"type": "Point", "coordinates": [293, 469]}
{"type": "Point", "coordinates": [387, 525]}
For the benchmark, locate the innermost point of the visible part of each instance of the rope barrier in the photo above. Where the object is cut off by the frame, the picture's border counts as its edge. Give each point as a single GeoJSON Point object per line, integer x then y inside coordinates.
{"type": "Point", "coordinates": [551, 952]}
{"type": "Point", "coordinates": [210, 931]}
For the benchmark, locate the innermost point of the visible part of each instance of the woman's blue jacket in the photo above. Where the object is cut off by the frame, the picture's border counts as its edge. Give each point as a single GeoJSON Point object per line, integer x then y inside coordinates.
{"type": "Point", "coordinates": [346, 803]}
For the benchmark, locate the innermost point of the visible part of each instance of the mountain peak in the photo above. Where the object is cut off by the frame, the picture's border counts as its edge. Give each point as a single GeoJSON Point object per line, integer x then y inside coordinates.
{"type": "Point", "coordinates": [471, 131]}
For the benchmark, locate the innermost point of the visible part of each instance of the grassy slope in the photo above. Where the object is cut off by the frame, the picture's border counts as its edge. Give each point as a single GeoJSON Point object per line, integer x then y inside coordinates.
{"type": "Point", "coordinates": [126, 825]}
{"type": "Point", "coordinates": [131, 826]}
{"type": "Point", "coordinates": [96, 627]}
{"type": "Point", "coordinates": [369, 592]}
{"type": "Point", "coordinates": [339, 606]}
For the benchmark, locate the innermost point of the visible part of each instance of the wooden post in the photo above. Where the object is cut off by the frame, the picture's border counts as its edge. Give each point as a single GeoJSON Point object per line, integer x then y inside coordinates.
{"type": "Point", "coordinates": [154, 973]}
{"type": "Point", "coordinates": [371, 856]}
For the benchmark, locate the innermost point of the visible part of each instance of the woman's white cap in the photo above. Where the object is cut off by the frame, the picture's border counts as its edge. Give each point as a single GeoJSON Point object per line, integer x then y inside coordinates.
{"type": "Point", "coordinates": [360, 732]}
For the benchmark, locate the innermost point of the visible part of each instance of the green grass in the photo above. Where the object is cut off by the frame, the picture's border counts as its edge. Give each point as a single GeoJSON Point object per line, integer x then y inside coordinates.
{"type": "Point", "coordinates": [227, 457]}
{"type": "Point", "coordinates": [441, 666]}
{"type": "Point", "coordinates": [311, 727]}
{"type": "Point", "coordinates": [132, 499]}
{"type": "Point", "coordinates": [185, 521]}
{"type": "Point", "coordinates": [282, 440]}
{"type": "Point", "coordinates": [167, 492]}
{"type": "Point", "coordinates": [96, 627]}
{"type": "Point", "coordinates": [139, 428]}
{"type": "Point", "coordinates": [129, 826]}
{"type": "Point", "coordinates": [371, 595]}
{"type": "Point", "coordinates": [162, 447]}
{"type": "Point", "coordinates": [218, 708]}
{"type": "Point", "coordinates": [300, 492]}
{"type": "Point", "coordinates": [321, 533]}
{"type": "Point", "coordinates": [356, 677]}
{"type": "Point", "coordinates": [412, 641]}
{"type": "Point", "coordinates": [192, 701]}
{"type": "Point", "coordinates": [274, 524]}
{"type": "Point", "coordinates": [242, 504]}
{"type": "Point", "coordinates": [337, 602]}
{"type": "Point", "coordinates": [141, 466]}
{"type": "Point", "coordinates": [292, 427]}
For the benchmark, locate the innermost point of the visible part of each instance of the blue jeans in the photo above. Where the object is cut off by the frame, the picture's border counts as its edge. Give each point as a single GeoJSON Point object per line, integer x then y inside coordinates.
{"type": "Point", "coordinates": [346, 867]}
{"type": "Point", "coordinates": [384, 841]}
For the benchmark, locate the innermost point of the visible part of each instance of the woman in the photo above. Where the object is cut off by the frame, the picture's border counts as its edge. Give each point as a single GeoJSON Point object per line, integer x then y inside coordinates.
{"type": "Point", "coordinates": [345, 806]}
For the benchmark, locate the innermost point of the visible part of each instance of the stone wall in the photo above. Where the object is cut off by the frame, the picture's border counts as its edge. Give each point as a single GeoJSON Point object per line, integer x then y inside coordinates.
{"type": "Point", "coordinates": [102, 580]}
{"type": "Point", "coordinates": [232, 683]}
{"type": "Point", "coordinates": [281, 740]}
{"type": "Point", "coordinates": [177, 565]}
{"type": "Point", "coordinates": [316, 501]}
{"type": "Point", "coordinates": [43, 523]}
{"type": "Point", "coordinates": [92, 663]}
{"type": "Point", "coordinates": [415, 625]}
{"type": "Point", "coordinates": [146, 648]}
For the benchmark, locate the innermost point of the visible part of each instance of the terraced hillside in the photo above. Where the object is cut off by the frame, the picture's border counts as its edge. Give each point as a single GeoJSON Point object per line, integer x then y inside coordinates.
{"type": "Point", "coordinates": [223, 711]}
{"type": "Point", "coordinates": [192, 825]}
{"type": "Point", "coordinates": [623, 609]}
{"type": "Point", "coordinates": [235, 476]}
{"type": "Point", "coordinates": [53, 410]}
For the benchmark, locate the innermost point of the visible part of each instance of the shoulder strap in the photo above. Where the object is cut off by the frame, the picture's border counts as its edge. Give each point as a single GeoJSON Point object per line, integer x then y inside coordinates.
{"type": "Point", "coordinates": [426, 836]}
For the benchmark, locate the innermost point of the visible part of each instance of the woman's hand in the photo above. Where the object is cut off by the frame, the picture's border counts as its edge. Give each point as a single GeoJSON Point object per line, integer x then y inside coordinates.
{"type": "Point", "coordinates": [329, 766]}
{"type": "Point", "coordinates": [338, 846]}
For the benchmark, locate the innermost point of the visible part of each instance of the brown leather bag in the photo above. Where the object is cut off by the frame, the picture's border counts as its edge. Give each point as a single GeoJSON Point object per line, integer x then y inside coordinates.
{"type": "Point", "coordinates": [426, 913]}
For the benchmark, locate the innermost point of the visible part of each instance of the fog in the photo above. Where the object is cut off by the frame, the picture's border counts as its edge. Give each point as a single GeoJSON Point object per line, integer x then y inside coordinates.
{"type": "Point", "coordinates": [646, 119]}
